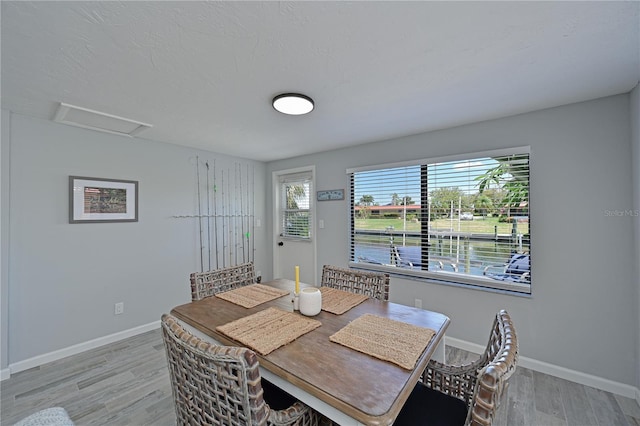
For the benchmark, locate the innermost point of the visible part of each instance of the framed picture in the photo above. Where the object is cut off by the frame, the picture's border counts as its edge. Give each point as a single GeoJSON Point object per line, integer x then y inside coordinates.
{"type": "Point", "coordinates": [102, 200]}
{"type": "Point", "coordinates": [331, 195]}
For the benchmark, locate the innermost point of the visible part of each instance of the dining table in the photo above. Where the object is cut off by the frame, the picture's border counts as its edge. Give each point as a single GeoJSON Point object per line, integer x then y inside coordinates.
{"type": "Point", "coordinates": [347, 386]}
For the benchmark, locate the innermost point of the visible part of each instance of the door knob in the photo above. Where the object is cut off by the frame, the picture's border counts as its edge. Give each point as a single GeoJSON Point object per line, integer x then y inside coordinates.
{"type": "Point", "coordinates": [280, 243]}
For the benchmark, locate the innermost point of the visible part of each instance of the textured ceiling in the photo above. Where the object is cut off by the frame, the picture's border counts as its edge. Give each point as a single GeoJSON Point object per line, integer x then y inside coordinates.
{"type": "Point", "coordinates": [203, 73]}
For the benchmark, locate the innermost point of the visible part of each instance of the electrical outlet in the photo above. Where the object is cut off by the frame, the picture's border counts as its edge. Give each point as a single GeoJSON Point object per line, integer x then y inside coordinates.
{"type": "Point", "coordinates": [119, 308]}
{"type": "Point", "coordinates": [418, 303]}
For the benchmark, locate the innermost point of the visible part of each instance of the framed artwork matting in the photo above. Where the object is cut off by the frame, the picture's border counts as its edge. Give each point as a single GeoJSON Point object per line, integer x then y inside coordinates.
{"type": "Point", "coordinates": [93, 200]}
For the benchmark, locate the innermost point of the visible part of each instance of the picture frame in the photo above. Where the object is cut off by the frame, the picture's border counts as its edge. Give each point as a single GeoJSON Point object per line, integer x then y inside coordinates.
{"type": "Point", "coordinates": [93, 200]}
{"type": "Point", "coordinates": [330, 195]}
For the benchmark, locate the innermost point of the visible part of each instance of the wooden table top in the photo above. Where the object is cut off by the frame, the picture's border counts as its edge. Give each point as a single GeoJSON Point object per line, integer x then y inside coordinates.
{"type": "Point", "coordinates": [365, 388]}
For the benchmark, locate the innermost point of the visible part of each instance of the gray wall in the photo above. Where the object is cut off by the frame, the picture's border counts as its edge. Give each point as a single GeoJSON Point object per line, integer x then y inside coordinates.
{"type": "Point", "coordinates": [61, 280]}
{"type": "Point", "coordinates": [582, 314]}
{"type": "Point", "coordinates": [4, 239]}
{"type": "Point", "coordinates": [65, 278]}
{"type": "Point", "coordinates": [635, 143]}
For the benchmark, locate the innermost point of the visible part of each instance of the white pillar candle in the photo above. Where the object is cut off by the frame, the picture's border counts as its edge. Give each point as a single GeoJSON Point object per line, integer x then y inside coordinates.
{"type": "Point", "coordinates": [310, 301]}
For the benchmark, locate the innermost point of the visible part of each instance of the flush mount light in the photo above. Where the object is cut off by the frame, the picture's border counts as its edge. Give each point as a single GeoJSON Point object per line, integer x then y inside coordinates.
{"type": "Point", "coordinates": [293, 104]}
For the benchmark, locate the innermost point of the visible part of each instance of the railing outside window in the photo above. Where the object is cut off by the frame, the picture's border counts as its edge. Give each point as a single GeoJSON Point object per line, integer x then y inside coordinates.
{"type": "Point", "coordinates": [463, 219]}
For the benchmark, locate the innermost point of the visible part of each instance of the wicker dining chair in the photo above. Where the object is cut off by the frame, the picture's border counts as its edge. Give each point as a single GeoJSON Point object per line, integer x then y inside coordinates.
{"type": "Point", "coordinates": [466, 394]}
{"type": "Point", "coordinates": [372, 284]}
{"type": "Point", "coordinates": [205, 284]}
{"type": "Point", "coordinates": [221, 385]}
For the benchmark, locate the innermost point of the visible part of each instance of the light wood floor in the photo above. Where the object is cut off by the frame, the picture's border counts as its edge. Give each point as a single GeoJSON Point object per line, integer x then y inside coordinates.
{"type": "Point", "coordinates": [127, 383]}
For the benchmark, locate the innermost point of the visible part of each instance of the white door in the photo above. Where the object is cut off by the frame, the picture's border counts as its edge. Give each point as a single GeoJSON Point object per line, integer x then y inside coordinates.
{"type": "Point", "coordinates": [294, 224]}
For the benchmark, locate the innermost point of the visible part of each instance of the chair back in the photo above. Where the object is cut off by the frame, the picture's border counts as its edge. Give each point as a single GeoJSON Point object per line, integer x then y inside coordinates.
{"type": "Point", "coordinates": [518, 264]}
{"type": "Point", "coordinates": [409, 256]}
{"type": "Point", "coordinates": [501, 357]}
{"type": "Point", "coordinates": [205, 284]}
{"type": "Point", "coordinates": [372, 284]}
{"type": "Point", "coordinates": [212, 384]}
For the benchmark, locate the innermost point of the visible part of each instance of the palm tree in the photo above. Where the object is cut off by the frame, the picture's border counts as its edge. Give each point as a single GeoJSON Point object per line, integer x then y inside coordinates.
{"type": "Point", "coordinates": [511, 175]}
{"type": "Point", "coordinates": [297, 219]}
{"type": "Point", "coordinates": [397, 200]}
{"type": "Point", "coordinates": [483, 202]}
{"type": "Point", "coordinates": [295, 193]}
{"type": "Point", "coordinates": [365, 202]}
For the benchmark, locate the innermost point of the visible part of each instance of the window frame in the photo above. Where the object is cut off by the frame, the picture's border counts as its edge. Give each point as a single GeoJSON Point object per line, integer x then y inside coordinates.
{"type": "Point", "coordinates": [442, 277]}
{"type": "Point", "coordinates": [297, 177]}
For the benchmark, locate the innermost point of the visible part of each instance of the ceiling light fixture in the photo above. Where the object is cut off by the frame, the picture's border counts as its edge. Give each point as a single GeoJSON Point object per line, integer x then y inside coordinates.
{"type": "Point", "coordinates": [293, 104]}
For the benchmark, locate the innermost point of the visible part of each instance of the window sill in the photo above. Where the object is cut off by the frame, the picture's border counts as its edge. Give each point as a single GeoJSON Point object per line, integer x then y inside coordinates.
{"type": "Point", "coordinates": [450, 279]}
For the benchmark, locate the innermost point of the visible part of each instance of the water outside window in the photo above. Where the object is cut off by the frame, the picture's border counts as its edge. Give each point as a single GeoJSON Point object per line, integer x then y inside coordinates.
{"type": "Point", "coordinates": [462, 216]}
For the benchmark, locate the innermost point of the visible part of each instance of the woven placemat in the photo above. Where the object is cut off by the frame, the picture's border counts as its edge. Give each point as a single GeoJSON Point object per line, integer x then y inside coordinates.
{"type": "Point", "coordinates": [386, 339]}
{"type": "Point", "coordinates": [267, 330]}
{"type": "Point", "coordinates": [252, 295]}
{"type": "Point", "coordinates": [339, 301]}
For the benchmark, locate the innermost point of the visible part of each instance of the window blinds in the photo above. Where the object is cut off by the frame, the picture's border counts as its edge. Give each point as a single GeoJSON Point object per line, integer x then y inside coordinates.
{"type": "Point", "coordinates": [464, 220]}
{"type": "Point", "coordinates": [295, 199]}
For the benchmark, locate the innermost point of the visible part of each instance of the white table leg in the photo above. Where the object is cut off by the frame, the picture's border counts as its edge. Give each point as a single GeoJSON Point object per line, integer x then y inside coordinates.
{"type": "Point", "coordinates": [439, 354]}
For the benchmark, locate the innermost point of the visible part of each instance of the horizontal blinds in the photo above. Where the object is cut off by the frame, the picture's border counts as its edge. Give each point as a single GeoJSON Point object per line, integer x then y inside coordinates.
{"type": "Point", "coordinates": [376, 192]}
{"type": "Point", "coordinates": [384, 202]}
{"type": "Point", "coordinates": [295, 208]}
{"type": "Point", "coordinates": [422, 161]}
{"type": "Point", "coordinates": [465, 218]}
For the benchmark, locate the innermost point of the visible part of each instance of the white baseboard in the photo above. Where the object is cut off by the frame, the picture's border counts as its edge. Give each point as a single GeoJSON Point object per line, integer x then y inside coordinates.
{"type": "Point", "coordinates": [80, 347]}
{"type": "Point", "coordinates": [557, 371]}
{"type": "Point", "coordinates": [543, 367]}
